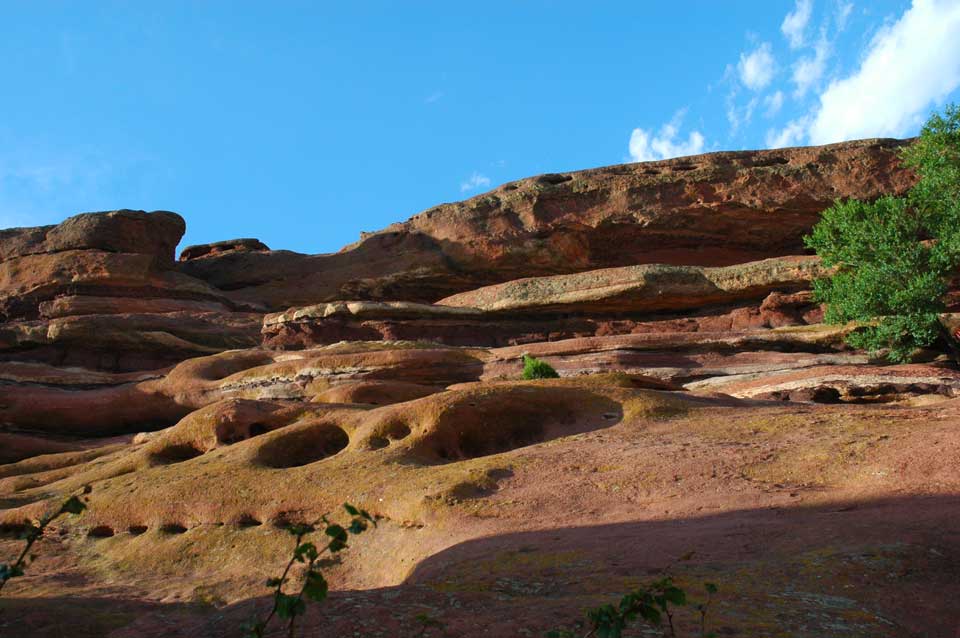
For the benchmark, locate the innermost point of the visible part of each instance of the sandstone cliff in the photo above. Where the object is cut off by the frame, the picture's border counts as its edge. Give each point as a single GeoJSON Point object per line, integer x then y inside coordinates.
{"type": "Point", "coordinates": [707, 210]}
{"type": "Point", "coordinates": [702, 407]}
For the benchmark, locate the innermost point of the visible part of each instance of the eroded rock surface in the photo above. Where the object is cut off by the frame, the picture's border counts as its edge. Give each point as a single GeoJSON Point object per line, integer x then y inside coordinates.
{"type": "Point", "coordinates": [701, 406]}
{"type": "Point", "coordinates": [709, 210]}
{"type": "Point", "coordinates": [100, 291]}
{"type": "Point", "coordinates": [633, 299]}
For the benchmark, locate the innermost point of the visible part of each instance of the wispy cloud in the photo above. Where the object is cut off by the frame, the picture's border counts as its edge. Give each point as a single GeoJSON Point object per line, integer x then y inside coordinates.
{"type": "Point", "coordinates": [809, 70]}
{"type": "Point", "coordinates": [436, 96]}
{"type": "Point", "coordinates": [756, 68]}
{"type": "Point", "coordinates": [795, 24]}
{"type": "Point", "coordinates": [844, 9]}
{"type": "Point", "coordinates": [646, 146]}
{"type": "Point", "coordinates": [475, 181]}
{"type": "Point", "coordinates": [910, 66]}
{"type": "Point", "coordinates": [41, 185]}
{"type": "Point", "coordinates": [790, 135]}
{"type": "Point", "coordinates": [773, 102]}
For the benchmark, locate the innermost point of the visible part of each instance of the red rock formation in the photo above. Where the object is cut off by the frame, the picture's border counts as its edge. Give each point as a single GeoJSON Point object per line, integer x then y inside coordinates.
{"type": "Point", "coordinates": [627, 300]}
{"type": "Point", "coordinates": [220, 247]}
{"type": "Point", "coordinates": [100, 290]}
{"type": "Point", "coordinates": [689, 409]}
{"type": "Point", "coordinates": [708, 210]}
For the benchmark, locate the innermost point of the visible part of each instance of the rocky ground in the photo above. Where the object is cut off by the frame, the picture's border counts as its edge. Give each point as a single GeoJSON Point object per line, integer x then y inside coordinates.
{"type": "Point", "coordinates": [702, 407]}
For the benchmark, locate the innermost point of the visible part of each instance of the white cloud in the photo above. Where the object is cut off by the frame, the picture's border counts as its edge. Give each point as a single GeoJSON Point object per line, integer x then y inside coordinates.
{"type": "Point", "coordinates": [645, 146]}
{"type": "Point", "coordinates": [844, 9]}
{"type": "Point", "coordinates": [790, 135]}
{"type": "Point", "coordinates": [740, 116]}
{"type": "Point", "coordinates": [433, 97]}
{"type": "Point", "coordinates": [774, 103]}
{"type": "Point", "coordinates": [756, 68]}
{"type": "Point", "coordinates": [477, 180]}
{"type": "Point", "coordinates": [808, 71]}
{"type": "Point", "coordinates": [795, 23]}
{"type": "Point", "coordinates": [910, 66]}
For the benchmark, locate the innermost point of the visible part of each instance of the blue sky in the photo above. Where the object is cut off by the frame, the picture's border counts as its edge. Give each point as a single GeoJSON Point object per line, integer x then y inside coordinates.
{"type": "Point", "coordinates": [303, 123]}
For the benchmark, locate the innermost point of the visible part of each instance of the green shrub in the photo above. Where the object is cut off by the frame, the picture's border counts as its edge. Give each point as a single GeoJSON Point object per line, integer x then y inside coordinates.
{"type": "Point", "coordinates": [652, 603]}
{"type": "Point", "coordinates": [537, 369]}
{"type": "Point", "coordinates": [313, 586]}
{"type": "Point", "coordinates": [894, 257]}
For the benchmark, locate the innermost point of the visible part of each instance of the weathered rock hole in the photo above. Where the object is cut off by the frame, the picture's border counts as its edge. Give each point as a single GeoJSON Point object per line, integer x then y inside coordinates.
{"type": "Point", "coordinates": [826, 395]}
{"type": "Point", "coordinates": [101, 531]}
{"type": "Point", "coordinates": [303, 447]}
{"type": "Point", "coordinates": [500, 473]}
{"type": "Point", "coordinates": [510, 187]}
{"type": "Point", "coordinates": [651, 171]}
{"type": "Point", "coordinates": [553, 179]}
{"type": "Point", "coordinates": [684, 167]}
{"type": "Point", "coordinates": [378, 443]}
{"type": "Point", "coordinates": [173, 528]}
{"type": "Point", "coordinates": [257, 429]}
{"type": "Point", "coordinates": [175, 454]}
{"type": "Point", "coordinates": [471, 443]}
{"type": "Point", "coordinates": [12, 529]}
{"type": "Point", "coordinates": [248, 520]}
{"type": "Point", "coordinates": [136, 530]}
{"type": "Point", "coordinates": [771, 161]}
{"type": "Point", "coordinates": [283, 520]}
{"type": "Point", "coordinates": [398, 431]}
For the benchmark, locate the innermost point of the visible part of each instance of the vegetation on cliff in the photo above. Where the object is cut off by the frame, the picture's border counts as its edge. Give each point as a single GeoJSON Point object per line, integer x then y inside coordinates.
{"type": "Point", "coordinates": [895, 257]}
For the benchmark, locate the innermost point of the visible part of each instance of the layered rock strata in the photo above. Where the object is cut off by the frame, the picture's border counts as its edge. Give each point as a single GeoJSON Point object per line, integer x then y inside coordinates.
{"type": "Point", "coordinates": [716, 209]}
{"type": "Point", "coordinates": [100, 290]}
{"type": "Point", "coordinates": [628, 300]}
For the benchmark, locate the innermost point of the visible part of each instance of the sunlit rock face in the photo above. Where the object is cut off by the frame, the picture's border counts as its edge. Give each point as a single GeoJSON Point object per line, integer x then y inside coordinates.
{"type": "Point", "coordinates": [212, 402]}
{"type": "Point", "coordinates": [716, 209]}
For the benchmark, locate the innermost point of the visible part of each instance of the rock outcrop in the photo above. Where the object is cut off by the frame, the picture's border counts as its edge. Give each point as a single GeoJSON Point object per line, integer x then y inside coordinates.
{"type": "Point", "coordinates": [716, 209]}
{"type": "Point", "coordinates": [631, 299]}
{"type": "Point", "coordinates": [702, 407]}
{"type": "Point", "coordinates": [100, 290]}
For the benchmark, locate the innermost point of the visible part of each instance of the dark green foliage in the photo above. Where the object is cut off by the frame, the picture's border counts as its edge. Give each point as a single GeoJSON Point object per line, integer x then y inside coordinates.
{"type": "Point", "coordinates": [894, 257]}
{"type": "Point", "coordinates": [313, 586]}
{"type": "Point", "coordinates": [427, 622]}
{"type": "Point", "coordinates": [655, 602]}
{"type": "Point", "coordinates": [33, 533]}
{"type": "Point", "coordinates": [537, 369]}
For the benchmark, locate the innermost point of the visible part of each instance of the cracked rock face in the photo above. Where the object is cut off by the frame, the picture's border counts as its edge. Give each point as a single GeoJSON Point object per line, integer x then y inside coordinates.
{"type": "Point", "coordinates": [702, 406]}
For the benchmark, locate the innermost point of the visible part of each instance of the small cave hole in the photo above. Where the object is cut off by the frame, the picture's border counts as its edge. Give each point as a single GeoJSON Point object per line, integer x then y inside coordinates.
{"type": "Point", "coordinates": [378, 442]}
{"type": "Point", "coordinates": [771, 161]}
{"type": "Point", "coordinates": [175, 454]}
{"type": "Point", "coordinates": [101, 531]}
{"type": "Point", "coordinates": [398, 431]}
{"type": "Point", "coordinates": [248, 520]}
{"type": "Point", "coordinates": [474, 444]}
{"type": "Point", "coordinates": [684, 167]}
{"type": "Point", "coordinates": [826, 395]}
{"type": "Point", "coordinates": [304, 446]}
{"type": "Point", "coordinates": [285, 520]}
{"type": "Point", "coordinates": [136, 530]}
{"type": "Point", "coordinates": [257, 429]}
{"type": "Point", "coordinates": [14, 530]}
{"type": "Point", "coordinates": [553, 179]}
{"type": "Point", "coordinates": [500, 473]}
{"type": "Point", "coordinates": [173, 528]}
